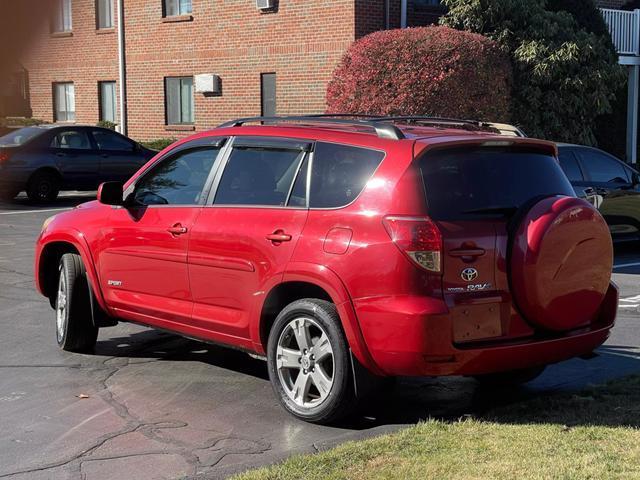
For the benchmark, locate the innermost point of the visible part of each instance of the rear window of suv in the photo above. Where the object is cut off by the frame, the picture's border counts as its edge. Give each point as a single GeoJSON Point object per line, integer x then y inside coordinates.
{"type": "Point", "coordinates": [468, 184]}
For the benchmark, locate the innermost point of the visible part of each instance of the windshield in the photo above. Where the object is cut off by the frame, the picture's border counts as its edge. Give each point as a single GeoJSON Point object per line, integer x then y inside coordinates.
{"type": "Point", "coordinates": [468, 184]}
{"type": "Point", "coordinates": [19, 137]}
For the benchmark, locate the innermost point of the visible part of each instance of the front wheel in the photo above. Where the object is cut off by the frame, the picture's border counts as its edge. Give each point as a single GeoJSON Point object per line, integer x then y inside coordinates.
{"type": "Point", "coordinates": [75, 330]}
{"type": "Point", "coordinates": [309, 364]}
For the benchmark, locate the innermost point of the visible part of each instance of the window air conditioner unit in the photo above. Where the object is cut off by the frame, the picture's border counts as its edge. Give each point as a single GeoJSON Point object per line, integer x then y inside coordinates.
{"type": "Point", "coordinates": [265, 4]}
{"type": "Point", "coordinates": [208, 83]}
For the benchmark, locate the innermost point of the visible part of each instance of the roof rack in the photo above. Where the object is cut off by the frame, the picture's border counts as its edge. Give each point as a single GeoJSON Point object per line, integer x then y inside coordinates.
{"type": "Point", "coordinates": [383, 129]}
{"type": "Point", "coordinates": [434, 120]}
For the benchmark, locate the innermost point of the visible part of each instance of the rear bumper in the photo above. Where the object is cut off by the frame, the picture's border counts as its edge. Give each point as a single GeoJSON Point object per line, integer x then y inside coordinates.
{"type": "Point", "coordinates": [413, 336]}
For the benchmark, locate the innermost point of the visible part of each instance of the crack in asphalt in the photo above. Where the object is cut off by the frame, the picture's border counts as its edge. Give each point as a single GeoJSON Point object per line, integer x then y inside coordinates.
{"type": "Point", "coordinates": [151, 430]}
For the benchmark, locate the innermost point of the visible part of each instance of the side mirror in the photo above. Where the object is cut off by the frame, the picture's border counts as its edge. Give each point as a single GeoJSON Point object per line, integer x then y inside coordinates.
{"type": "Point", "coordinates": [110, 193]}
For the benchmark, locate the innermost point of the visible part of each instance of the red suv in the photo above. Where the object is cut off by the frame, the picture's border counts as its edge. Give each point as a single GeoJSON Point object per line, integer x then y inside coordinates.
{"type": "Point", "coordinates": [343, 250]}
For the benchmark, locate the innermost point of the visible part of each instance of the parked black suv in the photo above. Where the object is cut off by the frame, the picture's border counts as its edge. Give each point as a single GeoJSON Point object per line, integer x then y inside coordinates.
{"type": "Point", "coordinates": [46, 159]}
{"type": "Point", "coordinates": [612, 185]}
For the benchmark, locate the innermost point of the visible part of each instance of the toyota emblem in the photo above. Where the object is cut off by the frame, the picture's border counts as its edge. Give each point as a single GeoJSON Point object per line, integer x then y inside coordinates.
{"type": "Point", "coordinates": [469, 274]}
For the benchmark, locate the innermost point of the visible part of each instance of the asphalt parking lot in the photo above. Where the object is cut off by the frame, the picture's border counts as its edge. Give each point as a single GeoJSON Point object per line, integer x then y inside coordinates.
{"type": "Point", "coordinates": [152, 405]}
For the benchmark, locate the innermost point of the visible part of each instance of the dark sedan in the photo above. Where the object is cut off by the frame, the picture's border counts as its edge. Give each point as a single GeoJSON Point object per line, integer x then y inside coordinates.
{"type": "Point", "coordinates": [46, 159]}
{"type": "Point", "coordinates": [611, 184]}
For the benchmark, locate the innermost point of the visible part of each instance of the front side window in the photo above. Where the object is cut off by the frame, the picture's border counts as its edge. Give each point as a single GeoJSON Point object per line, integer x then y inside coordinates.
{"type": "Point", "coordinates": [259, 176]}
{"type": "Point", "coordinates": [71, 139]}
{"type": "Point", "coordinates": [104, 14]}
{"type": "Point", "coordinates": [64, 99]}
{"type": "Point", "coordinates": [179, 100]}
{"type": "Point", "coordinates": [177, 180]}
{"type": "Point", "coordinates": [106, 140]}
{"type": "Point", "coordinates": [107, 94]}
{"type": "Point", "coordinates": [601, 168]}
{"type": "Point", "coordinates": [62, 20]}
{"type": "Point", "coordinates": [340, 173]}
{"type": "Point", "coordinates": [177, 7]}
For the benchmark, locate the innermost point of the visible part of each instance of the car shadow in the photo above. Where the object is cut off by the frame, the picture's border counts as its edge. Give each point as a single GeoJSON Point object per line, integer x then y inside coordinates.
{"type": "Point", "coordinates": [411, 400]}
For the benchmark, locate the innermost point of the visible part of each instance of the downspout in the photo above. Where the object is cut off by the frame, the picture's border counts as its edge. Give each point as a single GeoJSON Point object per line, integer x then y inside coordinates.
{"type": "Point", "coordinates": [387, 14]}
{"type": "Point", "coordinates": [403, 14]}
{"type": "Point", "coordinates": [122, 74]}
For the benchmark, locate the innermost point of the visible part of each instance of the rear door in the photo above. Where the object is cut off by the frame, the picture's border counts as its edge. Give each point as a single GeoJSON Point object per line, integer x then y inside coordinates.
{"type": "Point", "coordinates": [472, 193]}
{"type": "Point", "coordinates": [611, 182]}
{"type": "Point", "coordinates": [119, 156]}
{"type": "Point", "coordinates": [75, 157]}
{"type": "Point", "coordinates": [246, 234]}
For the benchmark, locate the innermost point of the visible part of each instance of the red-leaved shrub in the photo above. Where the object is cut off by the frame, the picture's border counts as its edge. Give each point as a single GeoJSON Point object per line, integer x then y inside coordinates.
{"type": "Point", "coordinates": [423, 71]}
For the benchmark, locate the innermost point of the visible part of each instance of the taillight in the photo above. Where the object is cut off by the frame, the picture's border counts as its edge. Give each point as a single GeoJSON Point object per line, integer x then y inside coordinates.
{"type": "Point", "coordinates": [4, 156]}
{"type": "Point", "coordinates": [417, 237]}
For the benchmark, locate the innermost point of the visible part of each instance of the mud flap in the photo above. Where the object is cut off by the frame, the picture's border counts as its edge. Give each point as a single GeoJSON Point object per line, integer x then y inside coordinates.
{"type": "Point", "coordinates": [98, 316]}
{"type": "Point", "coordinates": [364, 382]}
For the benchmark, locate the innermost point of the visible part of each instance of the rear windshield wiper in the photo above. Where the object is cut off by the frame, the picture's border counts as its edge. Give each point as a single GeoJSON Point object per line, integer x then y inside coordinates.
{"type": "Point", "coordinates": [506, 211]}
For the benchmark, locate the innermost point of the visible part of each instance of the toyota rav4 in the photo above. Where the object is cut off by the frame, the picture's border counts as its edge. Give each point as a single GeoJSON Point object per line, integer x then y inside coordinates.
{"type": "Point", "coordinates": [343, 251]}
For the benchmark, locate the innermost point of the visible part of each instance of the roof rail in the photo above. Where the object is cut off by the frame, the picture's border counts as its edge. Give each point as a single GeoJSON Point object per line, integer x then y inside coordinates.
{"type": "Point", "coordinates": [432, 120]}
{"type": "Point", "coordinates": [382, 128]}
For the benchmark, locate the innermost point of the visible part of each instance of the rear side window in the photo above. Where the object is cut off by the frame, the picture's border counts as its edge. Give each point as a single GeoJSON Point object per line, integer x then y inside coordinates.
{"type": "Point", "coordinates": [259, 176]}
{"type": "Point", "coordinates": [339, 173]}
{"type": "Point", "coordinates": [569, 164]}
{"type": "Point", "coordinates": [73, 139]}
{"type": "Point", "coordinates": [468, 184]}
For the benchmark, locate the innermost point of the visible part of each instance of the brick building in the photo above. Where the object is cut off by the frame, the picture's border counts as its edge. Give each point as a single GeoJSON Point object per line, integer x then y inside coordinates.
{"type": "Point", "coordinates": [274, 60]}
{"type": "Point", "coordinates": [249, 60]}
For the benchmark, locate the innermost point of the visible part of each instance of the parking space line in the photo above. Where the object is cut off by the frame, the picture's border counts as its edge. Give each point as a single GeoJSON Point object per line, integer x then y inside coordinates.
{"type": "Point", "coordinates": [18, 212]}
{"type": "Point", "coordinates": [625, 265]}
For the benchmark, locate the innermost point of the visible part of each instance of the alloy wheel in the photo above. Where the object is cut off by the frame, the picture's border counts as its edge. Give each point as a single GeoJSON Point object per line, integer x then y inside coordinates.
{"type": "Point", "coordinates": [61, 307]}
{"type": "Point", "coordinates": [305, 362]}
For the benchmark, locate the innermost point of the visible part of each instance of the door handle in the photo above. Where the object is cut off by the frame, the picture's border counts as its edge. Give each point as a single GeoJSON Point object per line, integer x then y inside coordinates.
{"type": "Point", "coordinates": [467, 252]}
{"type": "Point", "coordinates": [177, 229]}
{"type": "Point", "coordinates": [278, 237]}
{"type": "Point", "coordinates": [60, 154]}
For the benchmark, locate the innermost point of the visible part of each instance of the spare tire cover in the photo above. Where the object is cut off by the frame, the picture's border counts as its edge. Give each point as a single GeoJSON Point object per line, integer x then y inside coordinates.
{"type": "Point", "coordinates": [561, 263]}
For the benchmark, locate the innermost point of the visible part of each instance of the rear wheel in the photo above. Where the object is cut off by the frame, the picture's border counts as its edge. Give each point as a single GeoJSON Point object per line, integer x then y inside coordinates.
{"type": "Point", "coordinates": [308, 359]}
{"type": "Point", "coordinates": [43, 186]}
{"type": "Point", "coordinates": [75, 331]}
{"type": "Point", "coordinates": [511, 378]}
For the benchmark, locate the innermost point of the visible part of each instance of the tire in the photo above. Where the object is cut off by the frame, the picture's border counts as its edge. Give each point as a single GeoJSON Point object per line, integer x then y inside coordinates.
{"type": "Point", "coordinates": [326, 398]}
{"type": "Point", "coordinates": [43, 186]}
{"type": "Point", "coordinates": [75, 331]}
{"type": "Point", "coordinates": [511, 378]}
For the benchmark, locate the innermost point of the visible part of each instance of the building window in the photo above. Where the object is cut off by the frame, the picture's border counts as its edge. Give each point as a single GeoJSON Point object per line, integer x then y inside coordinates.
{"type": "Point", "coordinates": [64, 102]}
{"type": "Point", "coordinates": [176, 7]}
{"type": "Point", "coordinates": [179, 100]}
{"type": "Point", "coordinates": [268, 94]}
{"type": "Point", "coordinates": [107, 97]}
{"type": "Point", "coordinates": [62, 17]}
{"type": "Point", "coordinates": [104, 14]}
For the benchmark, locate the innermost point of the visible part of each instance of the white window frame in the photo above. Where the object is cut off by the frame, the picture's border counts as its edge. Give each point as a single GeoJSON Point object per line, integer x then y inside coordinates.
{"type": "Point", "coordinates": [63, 17]}
{"type": "Point", "coordinates": [176, 8]}
{"type": "Point", "coordinates": [113, 103]}
{"type": "Point", "coordinates": [64, 102]}
{"type": "Point", "coordinates": [186, 117]}
{"type": "Point", "coordinates": [104, 14]}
